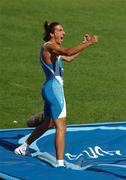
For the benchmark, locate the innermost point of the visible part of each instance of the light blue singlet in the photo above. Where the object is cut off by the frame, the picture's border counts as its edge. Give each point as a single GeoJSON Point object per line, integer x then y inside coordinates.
{"type": "Point", "coordinates": [52, 90]}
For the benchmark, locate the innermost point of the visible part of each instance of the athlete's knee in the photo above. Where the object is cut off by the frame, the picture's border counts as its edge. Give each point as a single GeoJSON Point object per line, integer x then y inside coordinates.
{"type": "Point", "coordinates": [35, 120]}
{"type": "Point", "coordinates": [62, 128]}
{"type": "Point", "coordinates": [60, 125]}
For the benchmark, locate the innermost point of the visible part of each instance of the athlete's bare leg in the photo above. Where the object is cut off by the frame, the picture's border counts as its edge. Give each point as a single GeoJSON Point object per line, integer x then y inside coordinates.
{"type": "Point", "coordinates": [60, 125]}
{"type": "Point", "coordinates": [40, 130]}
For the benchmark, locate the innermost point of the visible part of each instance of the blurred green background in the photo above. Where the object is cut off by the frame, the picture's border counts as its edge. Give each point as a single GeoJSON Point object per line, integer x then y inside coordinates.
{"type": "Point", "coordinates": [95, 83]}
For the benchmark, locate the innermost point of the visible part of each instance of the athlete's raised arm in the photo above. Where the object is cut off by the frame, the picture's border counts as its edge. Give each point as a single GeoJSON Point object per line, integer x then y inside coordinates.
{"type": "Point", "coordinates": [58, 50]}
{"type": "Point", "coordinates": [69, 58]}
{"type": "Point", "coordinates": [88, 40]}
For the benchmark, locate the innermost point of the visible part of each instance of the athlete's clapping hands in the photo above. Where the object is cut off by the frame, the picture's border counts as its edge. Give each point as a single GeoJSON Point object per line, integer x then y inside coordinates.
{"type": "Point", "coordinates": [90, 39]}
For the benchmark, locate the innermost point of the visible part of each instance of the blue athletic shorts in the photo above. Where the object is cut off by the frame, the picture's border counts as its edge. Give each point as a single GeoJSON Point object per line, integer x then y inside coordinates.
{"type": "Point", "coordinates": [54, 101]}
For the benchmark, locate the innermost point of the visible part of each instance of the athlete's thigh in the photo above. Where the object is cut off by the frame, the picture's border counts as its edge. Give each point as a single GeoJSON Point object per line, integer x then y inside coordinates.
{"type": "Point", "coordinates": [47, 109]}
{"type": "Point", "coordinates": [53, 96]}
{"type": "Point", "coordinates": [58, 103]}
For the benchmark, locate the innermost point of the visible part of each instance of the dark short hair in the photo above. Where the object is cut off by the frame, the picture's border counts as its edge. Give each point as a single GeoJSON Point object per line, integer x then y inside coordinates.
{"type": "Point", "coordinates": [49, 28]}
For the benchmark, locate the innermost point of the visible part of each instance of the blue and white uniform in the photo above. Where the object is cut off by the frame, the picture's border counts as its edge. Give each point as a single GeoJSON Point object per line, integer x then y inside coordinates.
{"type": "Point", "coordinates": [52, 90]}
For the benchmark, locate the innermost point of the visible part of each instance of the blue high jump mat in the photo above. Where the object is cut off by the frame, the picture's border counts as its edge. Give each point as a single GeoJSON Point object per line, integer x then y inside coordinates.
{"type": "Point", "coordinates": [92, 151]}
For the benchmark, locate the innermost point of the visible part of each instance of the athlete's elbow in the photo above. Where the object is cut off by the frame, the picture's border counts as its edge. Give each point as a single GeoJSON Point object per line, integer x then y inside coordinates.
{"type": "Point", "coordinates": [68, 60]}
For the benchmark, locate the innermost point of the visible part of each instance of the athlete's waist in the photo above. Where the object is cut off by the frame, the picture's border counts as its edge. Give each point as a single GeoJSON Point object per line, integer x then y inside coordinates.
{"type": "Point", "coordinates": [59, 79]}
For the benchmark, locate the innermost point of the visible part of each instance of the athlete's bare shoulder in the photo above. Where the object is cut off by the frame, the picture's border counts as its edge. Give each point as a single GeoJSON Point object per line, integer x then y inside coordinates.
{"type": "Point", "coordinates": [51, 46]}
{"type": "Point", "coordinates": [47, 43]}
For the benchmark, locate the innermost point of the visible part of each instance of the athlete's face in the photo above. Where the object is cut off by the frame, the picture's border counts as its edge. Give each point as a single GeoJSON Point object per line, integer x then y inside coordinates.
{"type": "Point", "coordinates": [59, 34]}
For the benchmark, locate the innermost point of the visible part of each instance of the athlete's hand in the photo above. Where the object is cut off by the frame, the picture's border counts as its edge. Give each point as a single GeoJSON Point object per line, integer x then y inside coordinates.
{"type": "Point", "coordinates": [94, 39]}
{"type": "Point", "coordinates": [86, 39]}
{"type": "Point", "coordinates": [90, 39]}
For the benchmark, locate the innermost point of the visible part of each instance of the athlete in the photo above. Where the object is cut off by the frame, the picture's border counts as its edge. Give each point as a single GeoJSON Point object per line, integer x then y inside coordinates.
{"type": "Point", "coordinates": [54, 115]}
